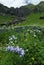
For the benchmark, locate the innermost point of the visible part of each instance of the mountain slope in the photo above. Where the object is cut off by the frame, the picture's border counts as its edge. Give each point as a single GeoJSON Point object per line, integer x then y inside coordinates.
{"type": "Point", "coordinates": [31, 13]}
{"type": "Point", "coordinates": [33, 19]}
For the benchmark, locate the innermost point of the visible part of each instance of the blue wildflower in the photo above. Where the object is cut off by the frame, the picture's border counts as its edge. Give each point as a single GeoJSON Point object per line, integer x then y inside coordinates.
{"type": "Point", "coordinates": [18, 50]}
{"type": "Point", "coordinates": [9, 48]}
{"type": "Point", "coordinates": [22, 53]}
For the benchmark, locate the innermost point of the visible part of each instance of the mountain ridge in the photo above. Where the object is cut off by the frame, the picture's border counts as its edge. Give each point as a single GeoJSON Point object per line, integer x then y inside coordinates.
{"type": "Point", "coordinates": [22, 11]}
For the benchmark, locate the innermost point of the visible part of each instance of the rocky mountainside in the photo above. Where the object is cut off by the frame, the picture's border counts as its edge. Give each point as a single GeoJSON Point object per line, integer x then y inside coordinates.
{"type": "Point", "coordinates": [22, 11]}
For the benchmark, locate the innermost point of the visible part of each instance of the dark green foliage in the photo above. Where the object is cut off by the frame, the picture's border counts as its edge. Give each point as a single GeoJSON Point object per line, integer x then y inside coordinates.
{"type": "Point", "coordinates": [22, 11]}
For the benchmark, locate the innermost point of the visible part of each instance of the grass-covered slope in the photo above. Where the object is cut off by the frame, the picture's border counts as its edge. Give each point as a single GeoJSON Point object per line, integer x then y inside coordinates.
{"type": "Point", "coordinates": [33, 19]}
{"type": "Point", "coordinates": [5, 18]}
{"type": "Point", "coordinates": [31, 12]}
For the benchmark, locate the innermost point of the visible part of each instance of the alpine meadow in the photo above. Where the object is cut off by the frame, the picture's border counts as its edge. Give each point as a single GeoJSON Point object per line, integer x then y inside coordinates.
{"type": "Point", "coordinates": [22, 35]}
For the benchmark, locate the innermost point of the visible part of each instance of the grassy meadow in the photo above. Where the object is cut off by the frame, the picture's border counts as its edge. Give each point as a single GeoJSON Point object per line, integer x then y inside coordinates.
{"type": "Point", "coordinates": [5, 18]}
{"type": "Point", "coordinates": [28, 35]}
{"type": "Point", "coordinates": [33, 19]}
{"type": "Point", "coordinates": [30, 38]}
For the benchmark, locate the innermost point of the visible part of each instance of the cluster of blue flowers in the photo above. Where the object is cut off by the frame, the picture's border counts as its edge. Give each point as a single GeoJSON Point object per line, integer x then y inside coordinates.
{"type": "Point", "coordinates": [17, 49]}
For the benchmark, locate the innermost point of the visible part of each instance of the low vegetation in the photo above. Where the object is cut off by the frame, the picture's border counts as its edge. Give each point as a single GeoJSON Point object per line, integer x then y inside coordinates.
{"type": "Point", "coordinates": [29, 38]}
{"type": "Point", "coordinates": [22, 41]}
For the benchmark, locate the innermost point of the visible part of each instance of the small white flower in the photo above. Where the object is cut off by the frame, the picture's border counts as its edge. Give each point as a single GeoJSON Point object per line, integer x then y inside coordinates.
{"type": "Point", "coordinates": [14, 37]}
{"type": "Point", "coordinates": [39, 31]}
{"type": "Point", "coordinates": [31, 31]}
{"type": "Point", "coordinates": [10, 39]}
{"type": "Point", "coordinates": [34, 35]}
{"type": "Point", "coordinates": [28, 30]}
{"type": "Point", "coordinates": [27, 50]}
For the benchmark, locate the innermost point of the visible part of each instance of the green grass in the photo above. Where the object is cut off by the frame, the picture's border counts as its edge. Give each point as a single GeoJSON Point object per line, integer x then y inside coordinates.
{"type": "Point", "coordinates": [6, 18]}
{"type": "Point", "coordinates": [24, 34]}
{"type": "Point", "coordinates": [33, 19]}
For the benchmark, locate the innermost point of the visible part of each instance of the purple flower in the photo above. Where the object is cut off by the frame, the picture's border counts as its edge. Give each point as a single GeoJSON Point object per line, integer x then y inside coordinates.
{"type": "Point", "coordinates": [18, 50]}
{"type": "Point", "coordinates": [22, 53]}
{"type": "Point", "coordinates": [9, 48]}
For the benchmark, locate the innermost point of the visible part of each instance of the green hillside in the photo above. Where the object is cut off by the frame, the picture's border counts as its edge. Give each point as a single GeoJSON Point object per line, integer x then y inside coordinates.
{"type": "Point", "coordinates": [5, 18]}
{"type": "Point", "coordinates": [30, 12]}
{"type": "Point", "coordinates": [33, 19]}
